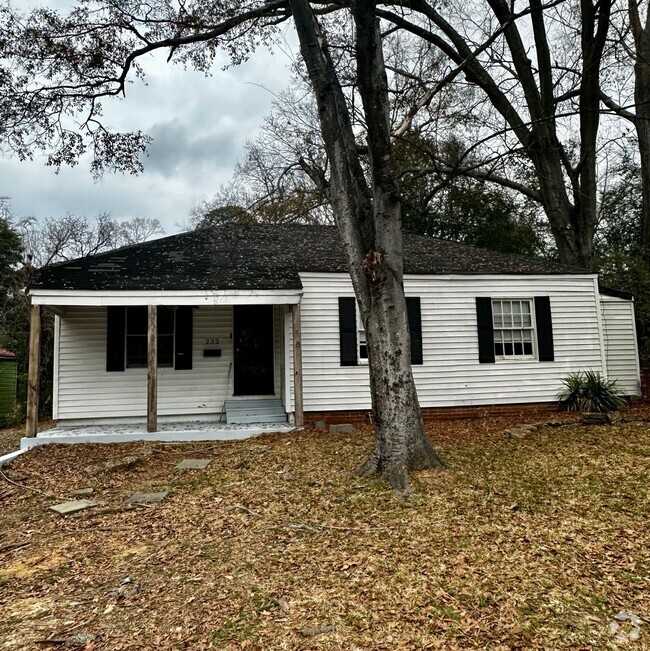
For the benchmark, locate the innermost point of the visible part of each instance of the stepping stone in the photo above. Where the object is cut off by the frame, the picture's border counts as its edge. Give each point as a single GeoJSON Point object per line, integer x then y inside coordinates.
{"type": "Point", "coordinates": [65, 508]}
{"type": "Point", "coordinates": [343, 428]}
{"type": "Point", "coordinates": [114, 465]}
{"type": "Point", "coordinates": [82, 492]}
{"type": "Point", "coordinates": [139, 498]}
{"type": "Point", "coordinates": [521, 432]}
{"type": "Point", "coordinates": [594, 418]}
{"type": "Point", "coordinates": [193, 464]}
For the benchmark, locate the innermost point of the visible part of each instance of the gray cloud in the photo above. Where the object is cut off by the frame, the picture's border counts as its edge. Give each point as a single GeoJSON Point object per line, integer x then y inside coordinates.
{"type": "Point", "coordinates": [179, 147]}
{"type": "Point", "coordinates": [199, 127]}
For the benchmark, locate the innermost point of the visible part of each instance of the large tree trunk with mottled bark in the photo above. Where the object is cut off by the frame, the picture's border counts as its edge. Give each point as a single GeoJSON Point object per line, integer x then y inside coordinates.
{"type": "Point", "coordinates": [368, 216]}
{"type": "Point", "coordinates": [401, 444]}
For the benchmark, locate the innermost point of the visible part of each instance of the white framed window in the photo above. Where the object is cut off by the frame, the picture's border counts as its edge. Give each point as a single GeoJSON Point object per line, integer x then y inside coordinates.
{"type": "Point", "coordinates": [362, 346]}
{"type": "Point", "coordinates": [137, 319]}
{"type": "Point", "coordinates": [514, 330]}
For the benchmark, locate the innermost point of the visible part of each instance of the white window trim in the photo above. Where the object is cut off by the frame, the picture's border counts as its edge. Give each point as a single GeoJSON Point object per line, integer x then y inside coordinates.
{"type": "Point", "coordinates": [361, 361]}
{"type": "Point", "coordinates": [533, 329]}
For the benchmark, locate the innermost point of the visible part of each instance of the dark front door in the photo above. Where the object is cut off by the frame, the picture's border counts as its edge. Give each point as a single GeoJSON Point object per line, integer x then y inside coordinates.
{"type": "Point", "coordinates": [253, 342]}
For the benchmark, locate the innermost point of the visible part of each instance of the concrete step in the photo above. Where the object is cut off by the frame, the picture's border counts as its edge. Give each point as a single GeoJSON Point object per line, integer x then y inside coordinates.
{"type": "Point", "coordinates": [257, 410]}
{"type": "Point", "coordinates": [255, 418]}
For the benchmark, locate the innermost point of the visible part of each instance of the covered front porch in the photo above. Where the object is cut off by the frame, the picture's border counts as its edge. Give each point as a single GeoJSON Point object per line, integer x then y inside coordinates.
{"type": "Point", "coordinates": [184, 363]}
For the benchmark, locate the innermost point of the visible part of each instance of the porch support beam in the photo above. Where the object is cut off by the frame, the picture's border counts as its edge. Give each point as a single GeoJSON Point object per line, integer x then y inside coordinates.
{"type": "Point", "coordinates": [34, 372]}
{"type": "Point", "coordinates": [297, 365]}
{"type": "Point", "coordinates": [152, 370]}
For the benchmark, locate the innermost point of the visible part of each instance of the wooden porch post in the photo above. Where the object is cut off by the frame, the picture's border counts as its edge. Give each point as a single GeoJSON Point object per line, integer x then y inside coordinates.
{"type": "Point", "coordinates": [34, 372]}
{"type": "Point", "coordinates": [152, 370]}
{"type": "Point", "coordinates": [297, 365]}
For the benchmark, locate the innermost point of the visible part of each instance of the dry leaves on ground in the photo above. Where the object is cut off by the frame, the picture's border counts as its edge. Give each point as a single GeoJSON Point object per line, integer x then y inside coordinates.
{"type": "Point", "coordinates": [535, 543]}
{"type": "Point", "coordinates": [10, 437]}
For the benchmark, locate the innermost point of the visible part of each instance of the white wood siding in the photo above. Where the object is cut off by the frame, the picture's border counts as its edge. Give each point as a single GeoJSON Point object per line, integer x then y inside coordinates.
{"type": "Point", "coordinates": [451, 374]}
{"type": "Point", "coordinates": [619, 335]}
{"type": "Point", "coordinates": [87, 391]}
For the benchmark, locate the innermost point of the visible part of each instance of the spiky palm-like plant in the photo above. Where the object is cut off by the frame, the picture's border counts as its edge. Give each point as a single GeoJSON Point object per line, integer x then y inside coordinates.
{"type": "Point", "coordinates": [589, 391]}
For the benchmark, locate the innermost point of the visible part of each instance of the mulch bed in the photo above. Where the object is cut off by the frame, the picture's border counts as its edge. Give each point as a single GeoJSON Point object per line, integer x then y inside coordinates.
{"type": "Point", "coordinates": [533, 543]}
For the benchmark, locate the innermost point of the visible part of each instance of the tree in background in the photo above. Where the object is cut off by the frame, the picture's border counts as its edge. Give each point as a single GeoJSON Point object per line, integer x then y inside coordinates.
{"type": "Point", "coordinates": [59, 239]}
{"type": "Point", "coordinates": [28, 244]}
{"type": "Point", "coordinates": [626, 92]}
{"type": "Point", "coordinates": [14, 312]}
{"type": "Point", "coordinates": [461, 208]}
{"type": "Point", "coordinates": [273, 184]}
{"type": "Point", "coordinates": [621, 257]}
{"type": "Point", "coordinates": [11, 252]}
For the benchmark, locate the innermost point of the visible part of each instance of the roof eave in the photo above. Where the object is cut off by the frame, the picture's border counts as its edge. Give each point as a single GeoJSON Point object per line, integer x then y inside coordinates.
{"type": "Point", "coordinates": [107, 297]}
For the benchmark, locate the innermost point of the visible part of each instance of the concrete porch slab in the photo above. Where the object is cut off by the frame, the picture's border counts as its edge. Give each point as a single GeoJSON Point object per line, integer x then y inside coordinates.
{"type": "Point", "coordinates": [168, 432]}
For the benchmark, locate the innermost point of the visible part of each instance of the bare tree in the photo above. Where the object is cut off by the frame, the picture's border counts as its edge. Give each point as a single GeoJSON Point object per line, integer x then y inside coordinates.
{"type": "Point", "coordinates": [530, 94]}
{"type": "Point", "coordinates": [66, 238]}
{"type": "Point", "coordinates": [138, 229]}
{"type": "Point", "coordinates": [368, 216]}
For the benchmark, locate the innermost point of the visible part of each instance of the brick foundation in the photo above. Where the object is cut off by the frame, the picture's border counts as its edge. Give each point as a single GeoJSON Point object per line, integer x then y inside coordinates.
{"type": "Point", "coordinates": [360, 416]}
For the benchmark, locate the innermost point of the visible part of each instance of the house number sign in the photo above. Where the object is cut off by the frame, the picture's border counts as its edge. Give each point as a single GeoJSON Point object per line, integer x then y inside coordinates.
{"type": "Point", "coordinates": [211, 340]}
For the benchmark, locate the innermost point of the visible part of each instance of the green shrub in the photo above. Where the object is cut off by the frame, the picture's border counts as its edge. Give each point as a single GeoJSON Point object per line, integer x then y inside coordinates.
{"type": "Point", "coordinates": [588, 391]}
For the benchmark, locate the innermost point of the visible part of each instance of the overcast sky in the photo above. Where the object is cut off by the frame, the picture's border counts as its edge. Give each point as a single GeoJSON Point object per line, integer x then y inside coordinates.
{"type": "Point", "coordinates": [199, 128]}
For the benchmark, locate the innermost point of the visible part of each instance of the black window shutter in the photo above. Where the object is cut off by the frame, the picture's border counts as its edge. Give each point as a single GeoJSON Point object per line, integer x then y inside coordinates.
{"type": "Point", "coordinates": [415, 328]}
{"type": "Point", "coordinates": [115, 338]}
{"type": "Point", "coordinates": [544, 329]}
{"type": "Point", "coordinates": [183, 338]}
{"type": "Point", "coordinates": [485, 330]}
{"type": "Point", "coordinates": [348, 331]}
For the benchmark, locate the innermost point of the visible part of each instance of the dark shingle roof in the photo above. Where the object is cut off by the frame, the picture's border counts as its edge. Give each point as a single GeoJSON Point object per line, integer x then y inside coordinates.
{"type": "Point", "coordinates": [262, 256]}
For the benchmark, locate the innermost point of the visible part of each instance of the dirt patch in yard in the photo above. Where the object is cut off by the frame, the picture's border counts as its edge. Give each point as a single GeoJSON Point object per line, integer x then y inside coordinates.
{"type": "Point", "coordinates": [535, 543]}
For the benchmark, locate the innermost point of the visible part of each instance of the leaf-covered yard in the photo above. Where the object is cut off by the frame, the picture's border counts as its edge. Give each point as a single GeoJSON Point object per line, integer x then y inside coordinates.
{"type": "Point", "coordinates": [536, 543]}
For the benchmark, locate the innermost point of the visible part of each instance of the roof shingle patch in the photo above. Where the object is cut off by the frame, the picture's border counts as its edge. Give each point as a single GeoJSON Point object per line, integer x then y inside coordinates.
{"type": "Point", "coordinates": [264, 256]}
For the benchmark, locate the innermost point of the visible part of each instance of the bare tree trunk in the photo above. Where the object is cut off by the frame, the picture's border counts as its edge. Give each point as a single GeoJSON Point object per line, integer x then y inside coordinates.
{"type": "Point", "coordinates": [369, 221]}
{"type": "Point", "coordinates": [641, 35]}
{"type": "Point", "coordinates": [642, 124]}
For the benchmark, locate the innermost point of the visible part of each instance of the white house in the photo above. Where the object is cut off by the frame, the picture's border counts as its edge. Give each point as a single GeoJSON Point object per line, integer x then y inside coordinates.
{"type": "Point", "coordinates": [258, 323]}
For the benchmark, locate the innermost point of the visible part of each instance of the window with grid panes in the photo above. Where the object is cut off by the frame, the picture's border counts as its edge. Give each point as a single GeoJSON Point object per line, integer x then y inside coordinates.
{"type": "Point", "coordinates": [136, 337]}
{"type": "Point", "coordinates": [513, 328]}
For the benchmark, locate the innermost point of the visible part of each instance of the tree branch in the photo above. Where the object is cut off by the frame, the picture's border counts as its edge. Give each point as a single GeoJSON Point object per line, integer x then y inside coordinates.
{"type": "Point", "coordinates": [616, 108]}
